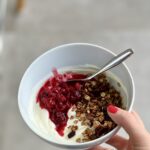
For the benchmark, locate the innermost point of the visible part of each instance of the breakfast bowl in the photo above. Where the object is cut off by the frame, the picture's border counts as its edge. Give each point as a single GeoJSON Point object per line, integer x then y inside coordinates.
{"type": "Point", "coordinates": [74, 57]}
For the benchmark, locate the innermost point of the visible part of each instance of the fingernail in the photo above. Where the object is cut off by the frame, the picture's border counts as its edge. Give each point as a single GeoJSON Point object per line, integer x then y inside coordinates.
{"type": "Point", "coordinates": [112, 109]}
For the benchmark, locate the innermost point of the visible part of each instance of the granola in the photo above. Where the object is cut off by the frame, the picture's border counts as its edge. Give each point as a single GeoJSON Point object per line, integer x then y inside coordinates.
{"type": "Point", "coordinates": [91, 110]}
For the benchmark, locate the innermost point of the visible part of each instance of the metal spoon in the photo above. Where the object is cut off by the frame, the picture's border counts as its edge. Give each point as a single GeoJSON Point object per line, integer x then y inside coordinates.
{"type": "Point", "coordinates": [112, 63]}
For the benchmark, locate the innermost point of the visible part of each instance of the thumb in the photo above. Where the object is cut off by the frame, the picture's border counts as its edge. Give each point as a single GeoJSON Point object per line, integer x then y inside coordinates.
{"type": "Point", "coordinates": [131, 122]}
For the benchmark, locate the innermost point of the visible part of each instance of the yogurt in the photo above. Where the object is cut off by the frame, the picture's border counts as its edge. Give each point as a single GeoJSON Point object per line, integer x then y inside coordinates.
{"type": "Point", "coordinates": [46, 127]}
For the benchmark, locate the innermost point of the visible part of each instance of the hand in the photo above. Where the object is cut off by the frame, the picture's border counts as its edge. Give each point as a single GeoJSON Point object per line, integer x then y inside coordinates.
{"type": "Point", "coordinates": [139, 138]}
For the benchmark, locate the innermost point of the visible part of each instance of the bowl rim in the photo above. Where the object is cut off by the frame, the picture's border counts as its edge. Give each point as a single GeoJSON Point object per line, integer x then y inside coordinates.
{"type": "Point", "coordinates": [74, 145]}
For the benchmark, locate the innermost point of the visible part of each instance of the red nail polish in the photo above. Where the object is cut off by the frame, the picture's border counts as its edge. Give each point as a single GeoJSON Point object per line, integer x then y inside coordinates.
{"type": "Point", "coordinates": [112, 109]}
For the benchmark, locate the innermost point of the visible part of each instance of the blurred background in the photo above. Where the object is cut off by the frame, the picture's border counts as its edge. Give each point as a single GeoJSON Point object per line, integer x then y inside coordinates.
{"type": "Point", "coordinates": [30, 27]}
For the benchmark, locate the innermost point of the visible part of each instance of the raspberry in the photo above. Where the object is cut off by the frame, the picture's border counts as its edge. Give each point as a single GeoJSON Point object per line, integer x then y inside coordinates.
{"type": "Point", "coordinates": [57, 96]}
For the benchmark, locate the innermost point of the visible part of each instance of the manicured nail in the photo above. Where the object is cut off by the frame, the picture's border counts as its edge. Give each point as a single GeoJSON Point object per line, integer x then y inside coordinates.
{"type": "Point", "coordinates": [112, 109]}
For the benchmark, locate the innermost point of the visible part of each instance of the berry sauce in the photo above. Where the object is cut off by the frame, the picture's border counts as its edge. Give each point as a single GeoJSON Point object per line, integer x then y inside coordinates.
{"type": "Point", "coordinates": [57, 96]}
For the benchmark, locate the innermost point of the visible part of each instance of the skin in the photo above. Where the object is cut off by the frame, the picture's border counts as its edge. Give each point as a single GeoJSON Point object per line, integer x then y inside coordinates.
{"type": "Point", "coordinates": [139, 138]}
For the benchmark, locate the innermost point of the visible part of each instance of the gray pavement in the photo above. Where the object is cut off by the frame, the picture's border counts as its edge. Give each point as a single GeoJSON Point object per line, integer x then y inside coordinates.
{"type": "Point", "coordinates": [116, 25]}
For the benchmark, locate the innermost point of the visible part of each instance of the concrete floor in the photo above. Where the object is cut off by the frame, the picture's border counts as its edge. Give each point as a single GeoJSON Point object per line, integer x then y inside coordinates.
{"type": "Point", "coordinates": [116, 25]}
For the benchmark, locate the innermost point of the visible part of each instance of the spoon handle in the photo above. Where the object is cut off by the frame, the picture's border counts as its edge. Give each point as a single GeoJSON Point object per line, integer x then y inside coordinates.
{"type": "Point", "coordinates": [114, 62]}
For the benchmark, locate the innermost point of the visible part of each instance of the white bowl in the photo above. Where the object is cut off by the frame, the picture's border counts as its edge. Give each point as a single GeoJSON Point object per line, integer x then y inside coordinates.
{"type": "Point", "coordinates": [70, 55]}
